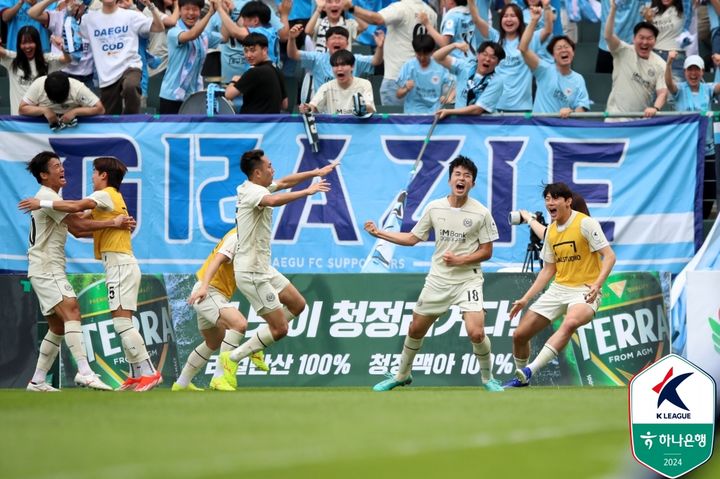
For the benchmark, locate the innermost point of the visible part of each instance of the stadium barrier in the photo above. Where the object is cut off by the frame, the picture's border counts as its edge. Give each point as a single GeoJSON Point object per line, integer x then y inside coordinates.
{"type": "Point", "coordinates": [352, 331]}
{"type": "Point", "coordinates": [641, 180]}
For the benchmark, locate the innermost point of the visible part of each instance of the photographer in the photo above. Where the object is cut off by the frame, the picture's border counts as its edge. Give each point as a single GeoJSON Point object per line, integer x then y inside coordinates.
{"type": "Point", "coordinates": [539, 227]}
{"type": "Point", "coordinates": [580, 258]}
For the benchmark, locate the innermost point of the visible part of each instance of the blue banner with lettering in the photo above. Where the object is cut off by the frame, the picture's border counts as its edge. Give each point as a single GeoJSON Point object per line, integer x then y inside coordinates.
{"type": "Point", "coordinates": [641, 179]}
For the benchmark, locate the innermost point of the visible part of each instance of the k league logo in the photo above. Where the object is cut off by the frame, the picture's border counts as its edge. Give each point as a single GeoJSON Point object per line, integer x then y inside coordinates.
{"type": "Point", "coordinates": [672, 416]}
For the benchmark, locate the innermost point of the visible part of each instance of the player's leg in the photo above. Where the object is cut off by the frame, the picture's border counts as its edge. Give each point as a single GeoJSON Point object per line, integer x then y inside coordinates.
{"type": "Point", "coordinates": [123, 284]}
{"type": "Point", "coordinates": [234, 325]}
{"type": "Point", "coordinates": [49, 349]}
{"type": "Point", "coordinates": [469, 298]}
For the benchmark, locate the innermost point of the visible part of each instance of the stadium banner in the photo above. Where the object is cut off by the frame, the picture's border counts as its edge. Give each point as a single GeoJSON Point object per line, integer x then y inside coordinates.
{"type": "Point", "coordinates": [703, 323]}
{"type": "Point", "coordinates": [103, 345]}
{"type": "Point", "coordinates": [183, 173]}
{"type": "Point", "coordinates": [353, 329]}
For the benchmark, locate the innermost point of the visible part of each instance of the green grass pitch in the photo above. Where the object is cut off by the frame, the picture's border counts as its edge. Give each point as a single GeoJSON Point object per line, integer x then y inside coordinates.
{"type": "Point", "coordinates": [319, 433]}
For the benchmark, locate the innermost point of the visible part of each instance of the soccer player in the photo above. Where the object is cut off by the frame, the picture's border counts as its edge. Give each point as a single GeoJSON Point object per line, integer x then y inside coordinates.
{"type": "Point", "coordinates": [464, 232]}
{"type": "Point", "coordinates": [577, 253]}
{"type": "Point", "coordinates": [270, 293]}
{"type": "Point", "coordinates": [46, 271]}
{"type": "Point", "coordinates": [122, 273]}
{"type": "Point", "coordinates": [220, 323]}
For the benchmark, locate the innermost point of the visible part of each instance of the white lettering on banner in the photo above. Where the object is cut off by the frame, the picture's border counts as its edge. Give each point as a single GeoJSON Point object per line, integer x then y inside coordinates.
{"type": "Point", "coordinates": [626, 329]}
{"type": "Point", "coordinates": [153, 329]}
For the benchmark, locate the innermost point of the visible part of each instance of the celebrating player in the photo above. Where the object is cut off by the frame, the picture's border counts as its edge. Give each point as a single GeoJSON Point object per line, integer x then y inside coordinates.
{"type": "Point", "coordinates": [574, 244]}
{"type": "Point", "coordinates": [46, 271]}
{"type": "Point", "coordinates": [122, 273]}
{"type": "Point", "coordinates": [269, 292]}
{"type": "Point", "coordinates": [220, 323]}
{"type": "Point", "coordinates": [464, 232]}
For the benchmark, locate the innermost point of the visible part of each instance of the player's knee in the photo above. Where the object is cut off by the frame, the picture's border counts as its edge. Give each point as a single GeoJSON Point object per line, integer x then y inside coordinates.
{"type": "Point", "coordinates": [520, 336]}
{"type": "Point", "coordinates": [476, 335]}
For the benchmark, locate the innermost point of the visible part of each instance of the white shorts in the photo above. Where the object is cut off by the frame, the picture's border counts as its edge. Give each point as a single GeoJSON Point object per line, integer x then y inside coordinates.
{"type": "Point", "coordinates": [262, 289]}
{"type": "Point", "coordinates": [50, 289]}
{"type": "Point", "coordinates": [208, 310]}
{"type": "Point", "coordinates": [555, 302]}
{"type": "Point", "coordinates": [123, 285]}
{"type": "Point", "coordinates": [435, 299]}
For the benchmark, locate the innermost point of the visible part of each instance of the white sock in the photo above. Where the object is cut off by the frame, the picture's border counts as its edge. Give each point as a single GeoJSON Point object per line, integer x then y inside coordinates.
{"type": "Point", "coordinates": [231, 341]}
{"type": "Point", "coordinates": [131, 340]}
{"type": "Point", "coordinates": [261, 340]}
{"type": "Point", "coordinates": [265, 329]}
{"type": "Point", "coordinates": [520, 363]}
{"type": "Point", "coordinates": [197, 360]}
{"type": "Point", "coordinates": [482, 353]}
{"type": "Point", "coordinates": [288, 315]}
{"type": "Point", "coordinates": [546, 354]}
{"type": "Point", "coordinates": [410, 348]}
{"type": "Point", "coordinates": [49, 349]}
{"type": "Point", "coordinates": [145, 367]}
{"type": "Point", "coordinates": [76, 345]}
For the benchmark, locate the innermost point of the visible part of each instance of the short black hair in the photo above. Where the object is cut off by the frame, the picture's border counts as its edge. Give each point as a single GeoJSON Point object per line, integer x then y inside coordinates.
{"type": "Point", "coordinates": [423, 44]}
{"type": "Point", "coordinates": [114, 168]}
{"type": "Point", "coordinates": [551, 45]}
{"type": "Point", "coordinates": [461, 3]}
{"type": "Point", "coordinates": [465, 162]}
{"type": "Point", "coordinates": [256, 9]}
{"type": "Point", "coordinates": [57, 87]}
{"type": "Point", "coordinates": [497, 48]}
{"type": "Point", "coordinates": [337, 30]}
{"type": "Point", "coordinates": [251, 160]}
{"type": "Point", "coordinates": [198, 3]}
{"type": "Point", "coordinates": [255, 39]}
{"type": "Point", "coordinates": [39, 164]}
{"type": "Point", "coordinates": [342, 57]}
{"type": "Point", "coordinates": [557, 190]}
{"type": "Point", "coordinates": [647, 26]}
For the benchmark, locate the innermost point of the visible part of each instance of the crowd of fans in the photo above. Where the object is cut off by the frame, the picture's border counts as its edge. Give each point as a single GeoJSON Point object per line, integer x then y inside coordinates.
{"type": "Point", "coordinates": [432, 55]}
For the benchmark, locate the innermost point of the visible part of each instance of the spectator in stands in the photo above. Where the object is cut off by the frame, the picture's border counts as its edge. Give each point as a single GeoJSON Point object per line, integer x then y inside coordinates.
{"type": "Point", "coordinates": [339, 96]}
{"type": "Point", "coordinates": [27, 64]}
{"type": "Point", "coordinates": [188, 44]}
{"type": "Point", "coordinates": [694, 94]}
{"type": "Point", "coordinates": [400, 20]}
{"type": "Point", "coordinates": [262, 86]}
{"type": "Point", "coordinates": [462, 66]}
{"type": "Point", "coordinates": [113, 34]}
{"type": "Point", "coordinates": [669, 19]}
{"type": "Point", "coordinates": [638, 72]}
{"type": "Point", "coordinates": [232, 59]}
{"type": "Point", "coordinates": [157, 41]}
{"type": "Point", "coordinates": [517, 91]}
{"type": "Point", "coordinates": [60, 99]}
{"type": "Point", "coordinates": [486, 86]}
{"type": "Point", "coordinates": [65, 24]}
{"type": "Point", "coordinates": [457, 25]}
{"type": "Point", "coordinates": [559, 88]}
{"type": "Point", "coordinates": [318, 63]}
{"type": "Point", "coordinates": [627, 15]}
{"type": "Point", "coordinates": [329, 13]}
{"type": "Point", "coordinates": [255, 17]}
{"type": "Point", "coordinates": [15, 15]}
{"type": "Point", "coordinates": [423, 83]}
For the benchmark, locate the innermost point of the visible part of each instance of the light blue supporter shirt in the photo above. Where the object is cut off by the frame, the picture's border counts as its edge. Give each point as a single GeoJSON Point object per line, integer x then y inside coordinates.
{"type": "Point", "coordinates": [430, 83]}
{"type": "Point", "coordinates": [688, 100]}
{"type": "Point", "coordinates": [517, 91]}
{"type": "Point", "coordinates": [319, 65]}
{"type": "Point", "coordinates": [464, 70]}
{"type": "Point", "coordinates": [627, 15]}
{"type": "Point", "coordinates": [22, 19]}
{"type": "Point", "coordinates": [185, 61]}
{"type": "Point", "coordinates": [486, 91]}
{"type": "Point", "coordinates": [556, 91]}
{"type": "Point", "coordinates": [458, 24]}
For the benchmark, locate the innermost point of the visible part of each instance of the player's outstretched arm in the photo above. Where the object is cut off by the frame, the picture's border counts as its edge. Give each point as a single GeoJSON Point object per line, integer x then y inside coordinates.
{"type": "Point", "coordinates": [83, 227]}
{"type": "Point", "coordinates": [280, 199]}
{"type": "Point", "coordinates": [400, 238]}
{"type": "Point", "coordinates": [68, 206]}
{"type": "Point", "coordinates": [291, 180]}
{"type": "Point", "coordinates": [218, 260]}
{"type": "Point", "coordinates": [543, 278]}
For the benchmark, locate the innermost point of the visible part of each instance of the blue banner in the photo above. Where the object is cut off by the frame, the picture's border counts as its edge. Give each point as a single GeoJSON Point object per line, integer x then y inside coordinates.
{"type": "Point", "coordinates": [641, 179]}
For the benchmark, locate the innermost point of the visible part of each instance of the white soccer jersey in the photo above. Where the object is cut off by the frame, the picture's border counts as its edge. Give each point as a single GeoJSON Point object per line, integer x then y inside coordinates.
{"type": "Point", "coordinates": [459, 230]}
{"type": "Point", "coordinates": [254, 227]}
{"type": "Point", "coordinates": [48, 234]}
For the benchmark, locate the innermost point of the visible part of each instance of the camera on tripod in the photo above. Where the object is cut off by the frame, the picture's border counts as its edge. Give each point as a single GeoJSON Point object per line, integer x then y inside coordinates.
{"type": "Point", "coordinates": [535, 245]}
